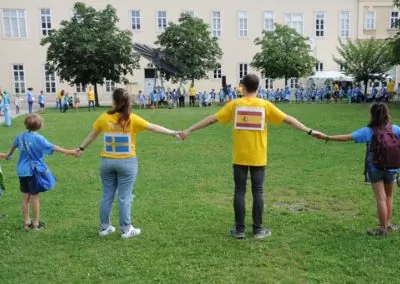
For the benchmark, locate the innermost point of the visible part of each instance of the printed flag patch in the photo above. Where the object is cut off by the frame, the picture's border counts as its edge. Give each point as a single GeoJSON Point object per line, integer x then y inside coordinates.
{"type": "Point", "coordinates": [117, 144]}
{"type": "Point", "coordinates": [250, 118]}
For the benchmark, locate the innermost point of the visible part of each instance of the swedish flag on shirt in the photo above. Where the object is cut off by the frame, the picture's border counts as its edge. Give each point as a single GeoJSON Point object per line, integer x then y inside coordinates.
{"type": "Point", "coordinates": [117, 144]}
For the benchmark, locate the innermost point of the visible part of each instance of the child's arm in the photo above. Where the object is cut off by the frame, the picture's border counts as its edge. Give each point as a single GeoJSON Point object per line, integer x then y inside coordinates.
{"type": "Point", "coordinates": [65, 151]}
{"type": "Point", "coordinates": [10, 152]}
{"type": "Point", "coordinates": [162, 130]}
{"type": "Point", "coordinates": [339, 138]}
{"type": "Point", "coordinates": [3, 156]}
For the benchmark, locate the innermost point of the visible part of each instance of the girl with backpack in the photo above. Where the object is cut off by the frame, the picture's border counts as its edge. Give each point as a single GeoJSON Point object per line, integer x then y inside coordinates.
{"type": "Point", "coordinates": [383, 161]}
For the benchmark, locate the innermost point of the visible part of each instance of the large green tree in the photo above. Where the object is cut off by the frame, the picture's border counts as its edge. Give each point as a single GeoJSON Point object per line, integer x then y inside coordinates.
{"type": "Point", "coordinates": [284, 54]}
{"type": "Point", "coordinates": [396, 41]}
{"type": "Point", "coordinates": [190, 43]}
{"type": "Point", "coordinates": [365, 59]}
{"type": "Point", "coordinates": [90, 48]}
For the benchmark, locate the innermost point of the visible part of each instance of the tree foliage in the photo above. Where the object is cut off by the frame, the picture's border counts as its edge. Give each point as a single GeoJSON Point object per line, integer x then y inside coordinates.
{"type": "Point", "coordinates": [190, 43]}
{"type": "Point", "coordinates": [90, 48]}
{"type": "Point", "coordinates": [284, 54]}
{"type": "Point", "coordinates": [395, 43]}
{"type": "Point", "coordinates": [365, 59]}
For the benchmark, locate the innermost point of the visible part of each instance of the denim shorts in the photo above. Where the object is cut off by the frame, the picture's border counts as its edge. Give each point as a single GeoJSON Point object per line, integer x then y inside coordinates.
{"type": "Point", "coordinates": [386, 177]}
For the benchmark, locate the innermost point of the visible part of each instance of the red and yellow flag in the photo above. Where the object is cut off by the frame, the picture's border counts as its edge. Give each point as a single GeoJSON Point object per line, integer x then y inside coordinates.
{"type": "Point", "coordinates": [249, 119]}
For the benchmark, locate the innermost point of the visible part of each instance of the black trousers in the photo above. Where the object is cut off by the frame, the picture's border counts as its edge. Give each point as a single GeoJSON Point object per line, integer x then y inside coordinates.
{"type": "Point", "coordinates": [182, 101]}
{"type": "Point", "coordinates": [191, 100]}
{"type": "Point", "coordinates": [257, 175]}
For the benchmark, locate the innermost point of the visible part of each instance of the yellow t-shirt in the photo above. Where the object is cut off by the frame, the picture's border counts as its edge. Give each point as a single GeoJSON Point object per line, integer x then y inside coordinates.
{"type": "Point", "coordinates": [336, 88]}
{"type": "Point", "coordinates": [90, 95]}
{"type": "Point", "coordinates": [119, 144]}
{"type": "Point", "coordinates": [59, 97]}
{"type": "Point", "coordinates": [390, 87]}
{"type": "Point", "coordinates": [250, 117]}
{"type": "Point", "coordinates": [192, 91]}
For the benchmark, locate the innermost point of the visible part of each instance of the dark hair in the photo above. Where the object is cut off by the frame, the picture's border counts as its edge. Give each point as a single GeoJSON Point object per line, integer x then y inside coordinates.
{"type": "Point", "coordinates": [250, 82]}
{"type": "Point", "coordinates": [122, 105]}
{"type": "Point", "coordinates": [33, 122]}
{"type": "Point", "coordinates": [380, 115]}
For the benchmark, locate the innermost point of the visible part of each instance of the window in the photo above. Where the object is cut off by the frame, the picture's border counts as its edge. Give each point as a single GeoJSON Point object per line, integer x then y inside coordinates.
{"type": "Point", "coordinates": [110, 85]}
{"type": "Point", "coordinates": [45, 20]}
{"type": "Point", "coordinates": [394, 19]}
{"type": "Point", "coordinates": [319, 66]}
{"type": "Point", "coordinates": [370, 20]}
{"type": "Point", "coordinates": [269, 83]}
{"type": "Point", "coordinates": [295, 21]}
{"type": "Point", "coordinates": [243, 69]}
{"type": "Point", "coordinates": [294, 82]}
{"type": "Point", "coordinates": [49, 80]}
{"type": "Point", "coordinates": [161, 20]}
{"type": "Point", "coordinates": [190, 13]}
{"type": "Point", "coordinates": [19, 78]}
{"type": "Point", "coordinates": [320, 24]}
{"type": "Point", "coordinates": [14, 23]}
{"type": "Point", "coordinates": [344, 24]}
{"type": "Point", "coordinates": [80, 88]}
{"type": "Point", "coordinates": [218, 72]}
{"type": "Point", "coordinates": [243, 24]}
{"type": "Point", "coordinates": [269, 21]}
{"type": "Point", "coordinates": [135, 15]}
{"type": "Point", "coordinates": [216, 24]}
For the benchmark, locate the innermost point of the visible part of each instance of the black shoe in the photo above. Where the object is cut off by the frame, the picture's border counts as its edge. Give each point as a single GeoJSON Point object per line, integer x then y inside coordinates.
{"type": "Point", "coordinates": [262, 234]}
{"type": "Point", "coordinates": [236, 234]}
{"type": "Point", "coordinates": [377, 232]}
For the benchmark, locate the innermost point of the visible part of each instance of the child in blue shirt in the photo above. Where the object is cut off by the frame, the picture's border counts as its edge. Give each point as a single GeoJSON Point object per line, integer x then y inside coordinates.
{"type": "Point", "coordinates": [381, 180]}
{"type": "Point", "coordinates": [41, 102]}
{"type": "Point", "coordinates": [38, 147]}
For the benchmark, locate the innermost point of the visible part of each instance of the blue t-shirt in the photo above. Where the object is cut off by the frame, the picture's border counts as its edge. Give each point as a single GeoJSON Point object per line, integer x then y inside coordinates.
{"type": "Point", "coordinates": [38, 146]}
{"type": "Point", "coordinates": [29, 97]}
{"type": "Point", "coordinates": [41, 99]}
{"type": "Point", "coordinates": [364, 135]}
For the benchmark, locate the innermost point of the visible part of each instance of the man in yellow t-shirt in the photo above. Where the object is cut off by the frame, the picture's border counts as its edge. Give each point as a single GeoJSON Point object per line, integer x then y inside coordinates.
{"type": "Point", "coordinates": [390, 89]}
{"type": "Point", "coordinates": [250, 116]}
{"type": "Point", "coordinates": [192, 95]}
{"type": "Point", "coordinates": [91, 98]}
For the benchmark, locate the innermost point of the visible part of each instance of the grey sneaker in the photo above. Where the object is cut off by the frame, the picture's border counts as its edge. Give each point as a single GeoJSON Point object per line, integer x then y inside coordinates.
{"type": "Point", "coordinates": [131, 232]}
{"type": "Point", "coordinates": [394, 227]}
{"type": "Point", "coordinates": [262, 234]}
{"type": "Point", "coordinates": [236, 234]}
{"type": "Point", "coordinates": [105, 232]}
{"type": "Point", "coordinates": [377, 232]}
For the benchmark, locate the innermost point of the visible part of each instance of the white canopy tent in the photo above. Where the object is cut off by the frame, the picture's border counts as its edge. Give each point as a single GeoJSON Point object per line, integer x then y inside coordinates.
{"type": "Point", "coordinates": [333, 75]}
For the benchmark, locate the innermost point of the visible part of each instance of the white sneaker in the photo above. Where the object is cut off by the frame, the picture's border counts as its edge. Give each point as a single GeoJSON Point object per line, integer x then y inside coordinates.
{"type": "Point", "coordinates": [107, 231]}
{"type": "Point", "coordinates": [132, 232]}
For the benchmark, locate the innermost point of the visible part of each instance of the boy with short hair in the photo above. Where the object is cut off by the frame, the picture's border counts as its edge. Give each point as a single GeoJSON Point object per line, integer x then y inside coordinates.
{"type": "Point", "coordinates": [250, 116]}
{"type": "Point", "coordinates": [37, 146]}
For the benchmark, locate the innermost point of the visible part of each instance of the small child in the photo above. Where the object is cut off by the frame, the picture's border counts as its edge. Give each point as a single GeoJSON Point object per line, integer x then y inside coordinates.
{"type": "Point", "coordinates": [65, 102]}
{"type": "Point", "coordinates": [77, 102]}
{"type": "Point", "coordinates": [38, 146]}
{"type": "Point", "coordinates": [17, 103]}
{"type": "Point", "coordinates": [41, 102]}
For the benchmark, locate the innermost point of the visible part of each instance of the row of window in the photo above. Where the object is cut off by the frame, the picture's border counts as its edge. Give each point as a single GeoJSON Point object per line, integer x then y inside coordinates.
{"type": "Point", "coordinates": [15, 22]}
{"type": "Point", "coordinates": [50, 85]}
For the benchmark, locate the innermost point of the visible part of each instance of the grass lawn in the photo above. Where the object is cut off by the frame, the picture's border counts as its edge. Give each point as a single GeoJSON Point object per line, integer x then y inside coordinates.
{"type": "Point", "coordinates": [316, 205]}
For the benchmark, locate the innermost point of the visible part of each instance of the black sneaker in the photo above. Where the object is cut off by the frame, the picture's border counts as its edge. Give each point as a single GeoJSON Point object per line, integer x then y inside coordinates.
{"type": "Point", "coordinates": [377, 232]}
{"type": "Point", "coordinates": [236, 234]}
{"type": "Point", "coordinates": [262, 234]}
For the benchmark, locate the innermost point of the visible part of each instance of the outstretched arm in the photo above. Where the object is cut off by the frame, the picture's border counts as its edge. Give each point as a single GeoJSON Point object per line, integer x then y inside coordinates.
{"type": "Point", "coordinates": [209, 120]}
{"type": "Point", "coordinates": [293, 122]}
{"type": "Point", "coordinates": [339, 138]}
{"type": "Point", "coordinates": [3, 156]}
{"type": "Point", "coordinates": [65, 151]}
{"type": "Point", "coordinates": [155, 128]}
{"type": "Point", "coordinates": [10, 152]}
{"type": "Point", "coordinates": [89, 139]}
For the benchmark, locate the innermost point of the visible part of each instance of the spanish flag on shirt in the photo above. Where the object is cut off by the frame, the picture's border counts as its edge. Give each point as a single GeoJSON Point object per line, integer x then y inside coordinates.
{"type": "Point", "coordinates": [250, 118]}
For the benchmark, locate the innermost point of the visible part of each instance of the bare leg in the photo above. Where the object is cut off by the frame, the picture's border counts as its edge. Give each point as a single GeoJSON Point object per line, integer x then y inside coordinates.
{"type": "Point", "coordinates": [25, 209]}
{"type": "Point", "coordinates": [381, 206]}
{"type": "Point", "coordinates": [35, 209]}
{"type": "Point", "coordinates": [389, 201]}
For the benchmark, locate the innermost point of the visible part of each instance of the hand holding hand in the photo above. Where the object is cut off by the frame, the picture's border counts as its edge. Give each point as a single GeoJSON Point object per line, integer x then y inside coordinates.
{"type": "Point", "coordinates": [3, 156]}
{"type": "Point", "coordinates": [318, 135]}
{"type": "Point", "coordinates": [184, 134]}
{"type": "Point", "coordinates": [177, 135]}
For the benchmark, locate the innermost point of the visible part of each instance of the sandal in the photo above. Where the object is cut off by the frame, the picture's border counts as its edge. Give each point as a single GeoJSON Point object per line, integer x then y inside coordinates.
{"type": "Point", "coordinates": [27, 226]}
{"type": "Point", "coordinates": [40, 226]}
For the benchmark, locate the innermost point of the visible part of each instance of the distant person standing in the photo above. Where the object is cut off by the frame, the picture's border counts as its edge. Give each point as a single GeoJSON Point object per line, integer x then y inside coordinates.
{"type": "Point", "coordinates": [77, 101]}
{"type": "Point", "coordinates": [6, 108]}
{"type": "Point", "coordinates": [30, 99]}
{"type": "Point", "coordinates": [59, 100]}
{"type": "Point", "coordinates": [65, 103]}
{"type": "Point", "coordinates": [391, 89]}
{"type": "Point", "coordinates": [91, 98]}
{"type": "Point", "coordinates": [18, 103]}
{"type": "Point", "coordinates": [181, 95]}
{"type": "Point", "coordinates": [192, 95]}
{"type": "Point", "coordinates": [142, 100]}
{"type": "Point", "coordinates": [41, 102]}
{"type": "Point", "coordinates": [398, 92]}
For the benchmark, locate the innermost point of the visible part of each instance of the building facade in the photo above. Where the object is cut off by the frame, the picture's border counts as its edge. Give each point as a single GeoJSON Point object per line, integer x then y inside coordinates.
{"type": "Point", "coordinates": [235, 22]}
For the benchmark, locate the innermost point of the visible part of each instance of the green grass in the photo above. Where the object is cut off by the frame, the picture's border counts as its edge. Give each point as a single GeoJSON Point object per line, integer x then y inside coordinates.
{"type": "Point", "coordinates": [184, 206]}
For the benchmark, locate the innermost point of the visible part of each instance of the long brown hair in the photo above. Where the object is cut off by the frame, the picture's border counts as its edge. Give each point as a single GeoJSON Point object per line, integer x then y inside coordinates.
{"type": "Point", "coordinates": [380, 116]}
{"type": "Point", "coordinates": [122, 105]}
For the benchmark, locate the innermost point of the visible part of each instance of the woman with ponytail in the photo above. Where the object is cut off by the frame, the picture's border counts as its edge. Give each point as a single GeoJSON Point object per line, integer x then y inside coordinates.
{"type": "Point", "coordinates": [119, 164]}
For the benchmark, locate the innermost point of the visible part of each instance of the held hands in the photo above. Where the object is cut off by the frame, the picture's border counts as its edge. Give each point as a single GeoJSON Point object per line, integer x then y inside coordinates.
{"type": "Point", "coordinates": [3, 156]}
{"type": "Point", "coordinates": [72, 153]}
{"type": "Point", "coordinates": [319, 135]}
{"type": "Point", "coordinates": [184, 134]}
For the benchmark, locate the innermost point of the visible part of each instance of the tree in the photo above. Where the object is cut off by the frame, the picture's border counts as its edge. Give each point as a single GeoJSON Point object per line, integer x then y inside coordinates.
{"type": "Point", "coordinates": [90, 48]}
{"type": "Point", "coordinates": [395, 43]}
{"type": "Point", "coordinates": [190, 43]}
{"type": "Point", "coordinates": [365, 59]}
{"type": "Point", "coordinates": [284, 54]}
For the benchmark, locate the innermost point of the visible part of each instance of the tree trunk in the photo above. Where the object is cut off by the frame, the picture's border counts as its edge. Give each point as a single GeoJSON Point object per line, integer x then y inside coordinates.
{"type": "Point", "coordinates": [286, 79]}
{"type": "Point", "coordinates": [193, 81]}
{"type": "Point", "coordinates": [96, 96]}
{"type": "Point", "coordinates": [365, 87]}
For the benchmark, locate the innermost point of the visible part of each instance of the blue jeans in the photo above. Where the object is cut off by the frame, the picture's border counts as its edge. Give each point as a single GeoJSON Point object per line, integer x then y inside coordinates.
{"type": "Point", "coordinates": [117, 175]}
{"type": "Point", "coordinates": [91, 103]}
{"type": "Point", "coordinates": [30, 106]}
